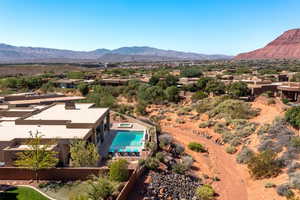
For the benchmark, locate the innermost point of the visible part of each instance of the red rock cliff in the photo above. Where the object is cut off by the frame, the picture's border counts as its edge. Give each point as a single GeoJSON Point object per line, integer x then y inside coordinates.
{"type": "Point", "coordinates": [286, 46]}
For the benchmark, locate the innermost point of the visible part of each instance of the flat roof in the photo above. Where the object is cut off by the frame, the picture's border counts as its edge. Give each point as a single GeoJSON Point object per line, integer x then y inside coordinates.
{"type": "Point", "coordinates": [82, 114]}
{"type": "Point", "coordinates": [42, 100]}
{"type": "Point", "coordinates": [10, 131]}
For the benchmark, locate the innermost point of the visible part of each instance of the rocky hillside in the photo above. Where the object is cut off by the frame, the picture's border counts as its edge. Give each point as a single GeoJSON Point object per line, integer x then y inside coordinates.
{"type": "Point", "coordinates": [286, 46]}
{"type": "Point", "coordinates": [14, 54]}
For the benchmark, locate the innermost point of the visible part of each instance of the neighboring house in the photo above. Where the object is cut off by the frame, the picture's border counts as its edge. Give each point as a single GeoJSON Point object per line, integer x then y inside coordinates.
{"type": "Point", "coordinates": [66, 83]}
{"type": "Point", "coordinates": [59, 123]}
{"type": "Point", "coordinates": [290, 91]}
{"type": "Point", "coordinates": [27, 99]}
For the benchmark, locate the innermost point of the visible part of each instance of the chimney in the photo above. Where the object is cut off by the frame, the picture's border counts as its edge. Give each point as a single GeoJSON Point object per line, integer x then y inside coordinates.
{"type": "Point", "coordinates": [70, 105]}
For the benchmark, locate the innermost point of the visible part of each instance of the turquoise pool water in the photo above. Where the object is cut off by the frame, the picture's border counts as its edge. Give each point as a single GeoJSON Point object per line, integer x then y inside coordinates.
{"type": "Point", "coordinates": [127, 141]}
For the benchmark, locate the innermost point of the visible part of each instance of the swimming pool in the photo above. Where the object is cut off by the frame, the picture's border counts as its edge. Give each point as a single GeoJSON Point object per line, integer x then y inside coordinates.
{"type": "Point", "coordinates": [127, 141]}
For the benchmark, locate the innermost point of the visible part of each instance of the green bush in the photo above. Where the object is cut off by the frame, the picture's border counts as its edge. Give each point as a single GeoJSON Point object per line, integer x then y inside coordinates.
{"type": "Point", "coordinates": [205, 192]}
{"type": "Point", "coordinates": [238, 89]}
{"type": "Point", "coordinates": [199, 95]}
{"type": "Point", "coordinates": [100, 188]}
{"type": "Point", "coordinates": [83, 88]}
{"type": "Point", "coordinates": [191, 72]}
{"type": "Point", "coordinates": [160, 156]}
{"type": "Point", "coordinates": [285, 101]}
{"type": "Point", "coordinates": [194, 146]}
{"type": "Point", "coordinates": [179, 168]}
{"type": "Point", "coordinates": [292, 116]}
{"type": "Point", "coordinates": [118, 170]}
{"type": "Point", "coordinates": [152, 163]}
{"type": "Point", "coordinates": [75, 75]}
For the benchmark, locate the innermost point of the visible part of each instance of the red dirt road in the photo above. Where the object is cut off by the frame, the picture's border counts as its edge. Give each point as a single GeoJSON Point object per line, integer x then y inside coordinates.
{"type": "Point", "coordinates": [218, 163]}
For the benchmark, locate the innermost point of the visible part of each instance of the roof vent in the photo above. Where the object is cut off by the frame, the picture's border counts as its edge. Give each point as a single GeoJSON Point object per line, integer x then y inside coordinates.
{"type": "Point", "coordinates": [70, 105]}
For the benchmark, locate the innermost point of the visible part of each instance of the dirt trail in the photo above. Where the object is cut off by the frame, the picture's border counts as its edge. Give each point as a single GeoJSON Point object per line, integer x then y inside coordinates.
{"type": "Point", "coordinates": [217, 163]}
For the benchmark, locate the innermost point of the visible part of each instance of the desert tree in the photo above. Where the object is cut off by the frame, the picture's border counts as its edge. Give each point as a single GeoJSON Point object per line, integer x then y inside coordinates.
{"type": "Point", "coordinates": [37, 156]}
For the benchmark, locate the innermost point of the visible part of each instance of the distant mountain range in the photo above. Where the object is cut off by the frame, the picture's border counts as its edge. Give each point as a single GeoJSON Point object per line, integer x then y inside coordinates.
{"type": "Point", "coordinates": [286, 46]}
{"type": "Point", "coordinates": [14, 54]}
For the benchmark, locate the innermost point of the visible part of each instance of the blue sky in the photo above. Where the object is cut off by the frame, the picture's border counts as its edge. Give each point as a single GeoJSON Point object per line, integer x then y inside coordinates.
{"type": "Point", "coordinates": [204, 26]}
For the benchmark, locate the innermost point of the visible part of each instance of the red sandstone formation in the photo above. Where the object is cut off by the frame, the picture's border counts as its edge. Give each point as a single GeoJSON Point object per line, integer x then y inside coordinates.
{"type": "Point", "coordinates": [286, 46]}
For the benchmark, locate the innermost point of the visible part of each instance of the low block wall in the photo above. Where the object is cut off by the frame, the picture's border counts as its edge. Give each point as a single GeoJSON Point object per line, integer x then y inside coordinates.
{"type": "Point", "coordinates": [64, 174]}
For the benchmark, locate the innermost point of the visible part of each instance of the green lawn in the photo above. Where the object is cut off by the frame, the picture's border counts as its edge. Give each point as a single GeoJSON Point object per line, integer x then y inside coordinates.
{"type": "Point", "coordinates": [22, 193]}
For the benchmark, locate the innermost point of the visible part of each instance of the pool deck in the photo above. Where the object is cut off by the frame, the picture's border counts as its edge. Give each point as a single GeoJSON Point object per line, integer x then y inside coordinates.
{"type": "Point", "coordinates": [104, 147]}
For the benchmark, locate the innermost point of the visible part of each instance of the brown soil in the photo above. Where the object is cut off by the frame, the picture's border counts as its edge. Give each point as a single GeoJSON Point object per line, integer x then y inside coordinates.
{"type": "Point", "coordinates": [235, 181]}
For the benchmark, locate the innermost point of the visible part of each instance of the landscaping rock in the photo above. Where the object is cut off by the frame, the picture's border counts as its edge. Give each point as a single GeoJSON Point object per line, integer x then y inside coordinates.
{"type": "Point", "coordinates": [167, 185]}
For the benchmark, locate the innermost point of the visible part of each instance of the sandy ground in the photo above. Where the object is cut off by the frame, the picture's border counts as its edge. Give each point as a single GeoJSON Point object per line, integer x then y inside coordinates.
{"type": "Point", "coordinates": [235, 182]}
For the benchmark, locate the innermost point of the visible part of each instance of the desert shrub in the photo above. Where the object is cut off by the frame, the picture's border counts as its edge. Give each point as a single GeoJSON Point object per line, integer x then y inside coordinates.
{"type": "Point", "coordinates": [209, 103]}
{"type": "Point", "coordinates": [233, 109]}
{"type": "Point", "coordinates": [270, 185]}
{"type": "Point", "coordinates": [230, 149]}
{"type": "Point", "coordinates": [293, 166]}
{"type": "Point", "coordinates": [235, 141]}
{"type": "Point", "coordinates": [140, 108]}
{"type": "Point", "coordinates": [295, 142]}
{"type": "Point", "coordinates": [199, 95]}
{"type": "Point", "coordinates": [263, 129]}
{"type": "Point", "coordinates": [179, 121]}
{"type": "Point", "coordinates": [205, 192]}
{"type": "Point", "coordinates": [215, 86]}
{"type": "Point", "coordinates": [187, 161]}
{"type": "Point", "coordinates": [245, 129]}
{"type": "Point", "coordinates": [152, 163]}
{"type": "Point", "coordinates": [165, 140]}
{"type": "Point", "coordinates": [194, 146]}
{"type": "Point", "coordinates": [294, 180]}
{"type": "Point", "coordinates": [279, 131]}
{"type": "Point", "coordinates": [207, 124]}
{"type": "Point", "coordinates": [271, 101]}
{"type": "Point", "coordinates": [118, 170]}
{"type": "Point", "coordinates": [245, 155]}
{"type": "Point", "coordinates": [220, 127]}
{"type": "Point", "coordinates": [124, 109]}
{"type": "Point", "coordinates": [269, 145]}
{"type": "Point", "coordinates": [264, 165]}
{"type": "Point", "coordinates": [179, 168]}
{"type": "Point", "coordinates": [293, 116]}
{"type": "Point", "coordinates": [288, 156]}
{"type": "Point", "coordinates": [284, 190]}
{"type": "Point", "coordinates": [179, 149]}
{"type": "Point", "coordinates": [160, 156]}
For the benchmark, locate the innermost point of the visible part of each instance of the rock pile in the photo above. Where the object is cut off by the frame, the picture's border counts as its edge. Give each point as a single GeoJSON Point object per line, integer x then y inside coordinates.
{"type": "Point", "coordinates": [171, 186]}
